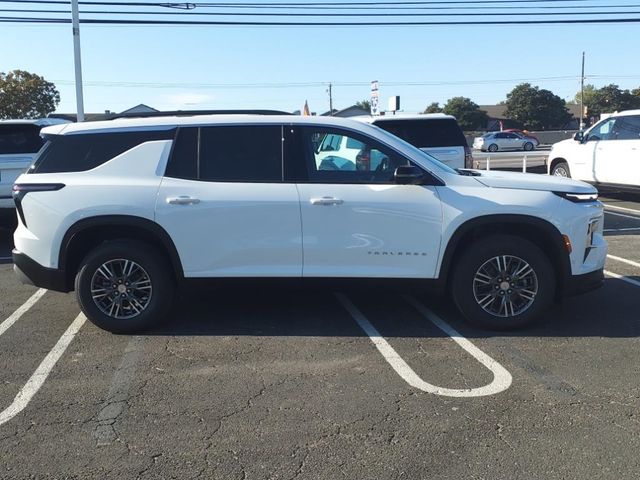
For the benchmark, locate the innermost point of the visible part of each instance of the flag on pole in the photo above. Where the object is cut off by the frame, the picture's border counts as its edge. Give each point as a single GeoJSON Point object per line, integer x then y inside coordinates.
{"type": "Point", "coordinates": [305, 110]}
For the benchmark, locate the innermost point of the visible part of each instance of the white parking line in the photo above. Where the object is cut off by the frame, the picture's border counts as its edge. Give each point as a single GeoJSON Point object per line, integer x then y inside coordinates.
{"type": "Point", "coordinates": [501, 377]}
{"type": "Point", "coordinates": [623, 278]}
{"type": "Point", "coordinates": [620, 229]}
{"type": "Point", "coordinates": [36, 381]}
{"type": "Point", "coordinates": [15, 316]}
{"type": "Point", "coordinates": [624, 260]}
{"type": "Point", "coordinates": [621, 215]}
{"type": "Point", "coordinates": [624, 209]}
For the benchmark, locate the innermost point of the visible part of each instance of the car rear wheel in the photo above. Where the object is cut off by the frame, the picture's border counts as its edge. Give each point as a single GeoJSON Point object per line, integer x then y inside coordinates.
{"type": "Point", "coordinates": [493, 147]}
{"type": "Point", "coordinates": [503, 282]}
{"type": "Point", "coordinates": [528, 146]}
{"type": "Point", "coordinates": [561, 169]}
{"type": "Point", "coordinates": [124, 286]}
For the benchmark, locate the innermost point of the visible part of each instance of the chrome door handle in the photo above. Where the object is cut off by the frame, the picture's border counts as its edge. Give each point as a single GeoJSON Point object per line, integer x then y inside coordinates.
{"type": "Point", "coordinates": [183, 200]}
{"type": "Point", "coordinates": [326, 201]}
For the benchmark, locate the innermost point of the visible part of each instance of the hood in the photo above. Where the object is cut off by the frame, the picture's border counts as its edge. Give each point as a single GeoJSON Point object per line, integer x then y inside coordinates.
{"type": "Point", "coordinates": [563, 143]}
{"type": "Point", "coordinates": [531, 181]}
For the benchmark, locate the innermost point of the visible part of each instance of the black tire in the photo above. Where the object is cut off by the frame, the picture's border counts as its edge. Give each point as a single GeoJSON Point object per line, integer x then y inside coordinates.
{"type": "Point", "coordinates": [561, 169]}
{"type": "Point", "coordinates": [468, 291]}
{"type": "Point", "coordinates": [493, 147]}
{"type": "Point", "coordinates": [150, 273]}
{"type": "Point", "coordinates": [528, 146]}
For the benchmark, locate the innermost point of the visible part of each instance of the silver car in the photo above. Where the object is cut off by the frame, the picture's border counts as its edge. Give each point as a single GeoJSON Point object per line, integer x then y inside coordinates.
{"type": "Point", "coordinates": [494, 141]}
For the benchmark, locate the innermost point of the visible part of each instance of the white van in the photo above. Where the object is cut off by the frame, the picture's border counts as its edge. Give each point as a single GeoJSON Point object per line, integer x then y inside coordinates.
{"type": "Point", "coordinates": [19, 142]}
{"type": "Point", "coordinates": [608, 154]}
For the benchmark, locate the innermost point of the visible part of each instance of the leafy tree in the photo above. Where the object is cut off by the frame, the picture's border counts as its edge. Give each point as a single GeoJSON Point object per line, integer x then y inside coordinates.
{"type": "Point", "coordinates": [26, 95]}
{"type": "Point", "coordinates": [364, 105]}
{"type": "Point", "coordinates": [536, 108]}
{"type": "Point", "coordinates": [468, 113]}
{"type": "Point", "coordinates": [611, 98]}
{"type": "Point", "coordinates": [589, 92]}
{"type": "Point", "coordinates": [434, 107]}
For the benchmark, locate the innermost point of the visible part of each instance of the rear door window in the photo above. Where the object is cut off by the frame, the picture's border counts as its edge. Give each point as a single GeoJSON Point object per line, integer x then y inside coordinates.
{"type": "Point", "coordinates": [247, 153]}
{"type": "Point", "coordinates": [241, 154]}
{"type": "Point", "coordinates": [20, 139]}
{"type": "Point", "coordinates": [627, 127]}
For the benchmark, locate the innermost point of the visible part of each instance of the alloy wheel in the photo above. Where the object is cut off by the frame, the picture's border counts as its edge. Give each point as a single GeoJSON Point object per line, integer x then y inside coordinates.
{"type": "Point", "coordinates": [505, 286]}
{"type": "Point", "coordinates": [121, 288]}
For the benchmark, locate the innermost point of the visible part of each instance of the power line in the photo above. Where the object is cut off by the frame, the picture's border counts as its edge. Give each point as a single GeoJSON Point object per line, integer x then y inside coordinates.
{"type": "Point", "coordinates": [96, 21]}
{"type": "Point", "coordinates": [260, 14]}
{"type": "Point", "coordinates": [294, 5]}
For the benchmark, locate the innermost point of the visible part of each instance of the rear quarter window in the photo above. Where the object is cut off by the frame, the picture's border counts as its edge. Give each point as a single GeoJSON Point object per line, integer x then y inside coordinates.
{"type": "Point", "coordinates": [426, 133]}
{"type": "Point", "coordinates": [81, 152]}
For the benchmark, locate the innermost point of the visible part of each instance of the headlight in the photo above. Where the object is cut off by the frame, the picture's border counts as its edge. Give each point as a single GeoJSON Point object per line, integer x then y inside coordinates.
{"type": "Point", "coordinates": [578, 197]}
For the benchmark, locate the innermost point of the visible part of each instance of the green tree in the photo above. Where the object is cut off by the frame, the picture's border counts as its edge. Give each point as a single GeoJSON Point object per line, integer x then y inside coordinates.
{"type": "Point", "coordinates": [589, 92]}
{"type": "Point", "coordinates": [26, 95]}
{"type": "Point", "coordinates": [468, 113]}
{"type": "Point", "coordinates": [434, 107]}
{"type": "Point", "coordinates": [536, 108]}
{"type": "Point", "coordinates": [364, 105]}
{"type": "Point", "coordinates": [611, 98]}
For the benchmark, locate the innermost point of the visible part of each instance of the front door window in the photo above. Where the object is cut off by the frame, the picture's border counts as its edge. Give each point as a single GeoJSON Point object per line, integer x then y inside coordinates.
{"type": "Point", "coordinates": [353, 160]}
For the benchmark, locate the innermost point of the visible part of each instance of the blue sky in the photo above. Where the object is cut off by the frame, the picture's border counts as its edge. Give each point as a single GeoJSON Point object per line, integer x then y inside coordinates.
{"type": "Point", "coordinates": [213, 67]}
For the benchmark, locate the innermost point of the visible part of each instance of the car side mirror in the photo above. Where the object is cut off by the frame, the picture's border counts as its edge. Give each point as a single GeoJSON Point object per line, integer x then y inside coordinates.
{"type": "Point", "coordinates": [408, 175]}
{"type": "Point", "coordinates": [579, 136]}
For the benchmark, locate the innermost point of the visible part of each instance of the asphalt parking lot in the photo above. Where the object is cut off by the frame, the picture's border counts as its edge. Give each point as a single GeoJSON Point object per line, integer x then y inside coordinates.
{"type": "Point", "coordinates": [304, 383]}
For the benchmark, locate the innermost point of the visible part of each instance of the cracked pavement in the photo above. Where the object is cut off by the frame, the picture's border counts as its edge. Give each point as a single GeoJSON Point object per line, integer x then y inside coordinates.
{"type": "Point", "coordinates": [283, 384]}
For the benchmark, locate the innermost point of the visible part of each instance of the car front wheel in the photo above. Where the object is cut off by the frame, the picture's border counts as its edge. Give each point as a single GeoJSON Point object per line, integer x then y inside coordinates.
{"type": "Point", "coordinates": [503, 282]}
{"type": "Point", "coordinates": [528, 146]}
{"type": "Point", "coordinates": [124, 286]}
{"type": "Point", "coordinates": [493, 147]}
{"type": "Point", "coordinates": [561, 169]}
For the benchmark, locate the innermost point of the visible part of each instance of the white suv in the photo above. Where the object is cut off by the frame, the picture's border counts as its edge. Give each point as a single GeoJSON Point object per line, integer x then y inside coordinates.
{"type": "Point", "coordinates": [127, 211]}
{"type": "Point", "coordinates": [435, 133]}
{"type": "Point", "coordinates": [608, 154]}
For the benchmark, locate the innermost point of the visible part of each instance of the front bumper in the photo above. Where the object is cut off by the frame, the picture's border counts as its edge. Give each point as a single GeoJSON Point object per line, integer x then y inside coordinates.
{"type": "Point", "coordinates": [577, 284]}
{"type": "Point", "coordinates": [31, 272]}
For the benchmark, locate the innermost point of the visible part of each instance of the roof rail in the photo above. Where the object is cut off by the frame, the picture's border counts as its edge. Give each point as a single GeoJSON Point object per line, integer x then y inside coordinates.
{"type": "Point", "coordinates": [188, 113]}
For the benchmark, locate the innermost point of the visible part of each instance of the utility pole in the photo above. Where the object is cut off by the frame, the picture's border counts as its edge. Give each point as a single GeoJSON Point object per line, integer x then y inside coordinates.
{"type": "Point", "coordinates": [75, 21]}
{"type": "Point", "coordinates": [582, 95]}
{"type": "Point", "coordinates": [330, 101]}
